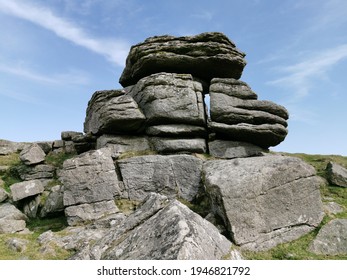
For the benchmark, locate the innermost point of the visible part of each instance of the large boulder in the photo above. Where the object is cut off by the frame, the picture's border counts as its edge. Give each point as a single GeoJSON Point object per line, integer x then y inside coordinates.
{"type": "Point", "coordinates": [236, 114]}
{"type": "Point", "coordinates": [168, 98]}
{"type": "Point", "coordinates": [174, 176]}
{"type": "Point", "coordinates": [337, 174]}
{"type": "Point", "coordinates": [331, 239]}
{"type": "Point", "coordinates": [206, 56]}
{"type": "Point", "coordinates": [162, 230]}
{"type": "Point", "coordinates": [112, 112]}
{"type": "Point", "coordinates": [11, 219]}
{"type": "Point", "coordinates": [32, 154]}
{"type": "Point", "coordinates": [89, 177]}
{"type": "Point", "coordinates": [26, 189]}
{"type": "Point", "coordinates": [264, 201]}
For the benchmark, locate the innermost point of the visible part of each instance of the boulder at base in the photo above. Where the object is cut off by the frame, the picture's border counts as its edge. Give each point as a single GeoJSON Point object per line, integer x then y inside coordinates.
{"type": "Point", "coordinates": [337, 174]}
{"type": "Point", "coordinates": [264, 201]}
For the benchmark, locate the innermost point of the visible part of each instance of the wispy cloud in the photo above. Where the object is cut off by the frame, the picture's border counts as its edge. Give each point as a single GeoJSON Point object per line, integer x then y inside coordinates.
{"type": "Point", "coordinates": [203, 15]}
{"type": "Point", "coordinates": [301, 76]}
{"type": "Point", "coordinates": [114, 50]}
{"type": "Point", "coordinates": [71, 77]}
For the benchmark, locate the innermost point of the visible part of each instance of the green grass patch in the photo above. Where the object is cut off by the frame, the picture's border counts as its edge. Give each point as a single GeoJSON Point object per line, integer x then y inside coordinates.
{"type": "Point", "coordinates": [9, 160]}
{"type": "Point", "coordinates": [57, 159]}
{"type": "Point", "coordinates": [130, 154]}
{"type": "Point", "coordinates": [39, 226]}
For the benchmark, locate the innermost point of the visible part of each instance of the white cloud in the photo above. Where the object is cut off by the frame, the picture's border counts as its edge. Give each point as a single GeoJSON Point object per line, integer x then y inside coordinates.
{"type": "Point", "coordinates": [301, 76]}
{"type": "Point", "coordinates": [114, 50]}
{"type": "Point", "coordinates": [203, 15]}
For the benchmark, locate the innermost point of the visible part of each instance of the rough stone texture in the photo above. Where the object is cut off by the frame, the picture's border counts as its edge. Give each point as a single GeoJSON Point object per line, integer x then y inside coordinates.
{"type": "Point", "coordinates": [11, 219]}
{"type": "Point", "coordinates": [89, 177]}
{"type": "Point", "coordinates": [332, 208]}
{"type": "Point", "coordinates": [84, 143]}
{"type": "Point", "coordinates": [86, 213]}
{"type": "Point", "coordinates": [170, 145]}
{"type": "Point", "coordinates": [16, 244]}
{"type": "Point", "coordinates": [69, 135]}
{"type": "Point", "coordinates": [264, 135]}
{"type": "Point", "coordinates": [206, 56]}
{"type": "Point", "coordinates": [40, 171]}
{"type": "Point", "coordinates": [233, 149]}
{"type": "Point", "coordinates": [176, 130]}
{"type": "Point", "coordinates": [337, 175]}
{"type": "Point", "coordinates": [9, 147]}
{"type": "Point", "coordinates": [32, 155]}
{"type": "Point", "coordinates": [31, 207]}
{"type": "Point", "coordinates": [161, 230]}
{"type": "Point", "coordinates": [168, 98]}
{"type": "Point", "coordinates": [26, 189]}
{"type": "Point", "coordinates": [54, 202]}
{"type": "Point", "coordinates": [121, 144]}
{"type": "Point", "coordinates": [331, 239]}
{"type": "Point", "coordinates": [232, 87]}
{"type": "Point", "coordinates": [112, 112]}
{"type": "Point", "coordinates": [3, 194]}
{"type": "Point", "coordinates": [174, 176]}
{"type": "Point", "coordinates": [264, 201]}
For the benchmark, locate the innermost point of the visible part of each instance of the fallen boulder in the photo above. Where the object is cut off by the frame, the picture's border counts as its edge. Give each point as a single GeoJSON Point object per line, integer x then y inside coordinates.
{"type": "Point", "coordinates": [264, 201]}
{"type": "Point", "coordinates": [337, 174]}
{"type": "Point", "coordinates": [11, 219]}
{"type": "Point", "coordinates": [26, 189]}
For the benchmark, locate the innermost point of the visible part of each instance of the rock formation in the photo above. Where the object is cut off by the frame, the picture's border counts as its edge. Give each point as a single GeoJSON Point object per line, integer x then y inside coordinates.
{"type": "Point", "coordinates": [154, 145]}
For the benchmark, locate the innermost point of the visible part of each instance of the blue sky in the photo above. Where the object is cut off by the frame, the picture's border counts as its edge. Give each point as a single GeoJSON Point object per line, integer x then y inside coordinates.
{"type": "Point", "coordinates": [55, 53]}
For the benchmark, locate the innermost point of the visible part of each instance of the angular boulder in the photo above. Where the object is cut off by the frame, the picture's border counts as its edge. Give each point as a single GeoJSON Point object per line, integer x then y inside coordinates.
{"type": "Point", "coordinates": [54, 203]}
{"type": "Point", "coordinates": [89, 177]}
{"type": "Point", "coordinates": [169, 98]}
{"type": "Point", "coordinates": [232, 87]}
{"type": "Point", "coordinates": [113, 112]}
{"type": "Point", "coordinates": [207, 55]}
{"type": "Point", "coordinates": [174, 176]}
{"type": "Point", "coordinates": [32, 154]}
{"type": "Point", "coordinates": [264, 201]}
{"type": "Point", "coordinates": [11, 219]}
{"type": "Point", "coordinates": [337, 174]}
{"type": "Point", "coordinates": [233, 149]}
{"type": "Point", "coordinates": [120, 144]}
{"type": "Point", "coordinates": [26, 189]}
{"type": "Point", "coordinates": [331, 239]}
{"type": "Point", "coordinates": [170, 231]}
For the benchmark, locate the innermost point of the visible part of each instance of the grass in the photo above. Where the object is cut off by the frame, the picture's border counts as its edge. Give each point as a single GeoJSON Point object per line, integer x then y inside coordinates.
{"type": "Point", "coordinates": [33, 250]}
{"type": "Point", "coordinates": [57, 159]}
{"type": "Point", "coordinates": [130, 154]}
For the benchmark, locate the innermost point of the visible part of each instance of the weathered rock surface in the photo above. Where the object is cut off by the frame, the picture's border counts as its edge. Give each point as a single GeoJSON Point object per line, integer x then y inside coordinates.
{"type": "Point", "coordinates": [3, 194]}
{"type": "Point", "coordinates": [26, 189]}
{"type": "Point", "coordinates": [169, 98]}
{"type": "Point", "coordinates": [332, 208]}
{"type": "Point", "coordinates": [17, 244]}
{"type": "Point", "coordinates": [11, 219]}
{"type": "Point", "coordinates": [113, 112]}
{"type": "Point", "coordinates": [331, 239]}
{"type": "Point", "coordinates": [89, 177]}
{"type": "Point", "coordinates": [174, 176]}
{"type": "Point", "coordinates": [86, 213]}
{"type": "Point", "coordinates": [172, 145]}
{"type": "Point", "coordinates": [9, 147]}
{"type": "Point", "coordinates": [170, 231]}
{"type": "Point", "coordinates": [233, 149]}
{"type": "Point", "coordinates": [123, 143]}
{"type": "Point", "coordinates": [237, 115]}
{"type": "Point", "coordinates": [32, 155]}
{"type": "Point", "coordinates": [263, 135]}
{"type": "Point", "coordinates": [54, 203]}
{"type": "Point", "coordinates": [207, 55]}
{"type": "Point", "coordinates": [36, 172]}
{"type": "Point", "coordinates": [176, 130]}
{"type": "Point", "coordinates": [337, 174]}
{"type": "Point", "coordinates": [264, 201]}
{"type": "Point", "coordinates": [31, 207]}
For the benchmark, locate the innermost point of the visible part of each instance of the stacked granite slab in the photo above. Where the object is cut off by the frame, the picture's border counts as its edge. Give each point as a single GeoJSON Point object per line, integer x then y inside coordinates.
{"type": "Point", "coordinates": [162, 106]}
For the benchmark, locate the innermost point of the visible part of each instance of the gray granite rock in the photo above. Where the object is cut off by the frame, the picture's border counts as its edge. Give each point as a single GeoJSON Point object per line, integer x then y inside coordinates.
{"type": "Point", "coordinates": [26, 189]}
{"type": "Point", "coordinates": [233, 149]}
{"type": "Point", "coordinates": [54, 203]}
{"type": "Point", "coordinates": [11, 219]}
{"type": "Point", "coordinates": [176, 130]}
{"type": "Point", "coordinates": [32, 154]}
{"type": "Point", "coordinates": [172, 145]}
{"type": "Point", "coordinates": [337, 174]}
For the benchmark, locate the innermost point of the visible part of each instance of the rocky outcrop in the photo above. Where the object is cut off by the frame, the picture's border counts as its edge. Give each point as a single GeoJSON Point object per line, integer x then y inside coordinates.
{"type": "Point", "coordinates": [337, 174]}
{"type": "Point", "coordinates": [89, 178]}
{"type": "Point", "coordinates": [264, 201]}
{"type": "Point", "coordinates": [238, 116]}
{"type": "Point", "coordinates": [331, 239]}
{"type": "Point", "coordinates": [161, 230]}
{"type": "Point", "coordinates": [111, 112]}
{"type": "Point", "coordinates": [173, 176]}
{"type": "Point", "coordinates": [207, 55]}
